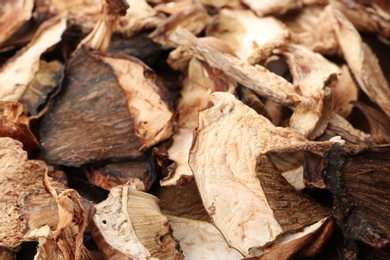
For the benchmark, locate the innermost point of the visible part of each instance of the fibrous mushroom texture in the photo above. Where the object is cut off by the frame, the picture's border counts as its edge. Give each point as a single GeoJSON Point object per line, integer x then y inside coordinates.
{"type": "Point", "coordinates": [252, 38]}
{"type": "Point", "coordinates": [228, 168]}
{"type": "Point", "coordinates": [130, 225]}
{"type": "Point", "coordinates": [105, 94]}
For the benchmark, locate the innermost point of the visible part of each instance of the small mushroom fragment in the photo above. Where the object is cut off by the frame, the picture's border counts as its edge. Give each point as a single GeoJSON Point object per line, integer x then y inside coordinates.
{"type": "Point", "coordinates": [130, 225]}
{"type": "Point", "coordinates": [140, 173]}
{"type": "Point", "coordinates": [361, 60]}
{"type": "Point", "coordinates": [194, 18]}
{"type": "Point", "coordinates": [13, 15]}
{"type": "Point", "coordinates": [201, 81]}
{"type": "Point", "coordinates": [201, 240]}
{"type": "Point", "coordinates": [359, 179]}
{"type": "Point", "coordinates": [240, 188]}
{"type": "Point", "coordinates": [14, 124]}
{"type": "Point", "coordinates": [19, 71]}
{"type": "Point", "coordinates": [102, 113]}
{"type": "Point", "coordinates": [232, 4]}
{"type": "Point", "coordinates": [252, 38]}
{"type": "Point", "coordinates": [312, 75]}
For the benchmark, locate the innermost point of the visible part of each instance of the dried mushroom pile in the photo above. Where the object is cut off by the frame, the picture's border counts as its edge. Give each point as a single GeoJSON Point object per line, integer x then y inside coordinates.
{"type": "Point", "coordinates": [235, 129]}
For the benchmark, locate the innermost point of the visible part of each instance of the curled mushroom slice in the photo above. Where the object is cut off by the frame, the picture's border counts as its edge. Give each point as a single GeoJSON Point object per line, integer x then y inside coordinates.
{"type": "Point", "coordinates": [252, 38]}
{"type": "Point", "coordinates": [13, 15]}
{"type": "Point", "coordinates": [240, 188]}
{"type": "Point", "coordinates": [312, 75]}
{"type": "Point", "coordinates": [111, 118]}
{"type": "Point", "coordinates": [361, 60]}
{"type": "Point", "coordinates": [130, 225]}
{"type": "Point", "coordinates": [201, 240]}
{"type": "Point", "coordinates": [18, 72]}
{"type": "Point", "coordinates": [257, 78]}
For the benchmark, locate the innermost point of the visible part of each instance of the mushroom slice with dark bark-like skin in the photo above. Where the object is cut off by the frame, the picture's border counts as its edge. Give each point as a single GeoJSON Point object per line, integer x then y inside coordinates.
{"type": "Point", "coordinates": [130, 225]}
{"type": "Point", "coordinates": [240, 188]}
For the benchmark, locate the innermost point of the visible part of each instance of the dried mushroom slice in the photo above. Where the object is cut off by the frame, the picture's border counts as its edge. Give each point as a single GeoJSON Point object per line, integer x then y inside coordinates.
{"type": "Point", "coordinates": [362, 61]}
{"type": "Point", "coordinates": [312, 75]}
{"type": "Point", "coordinates": [13, 15]}
{"type": "Point", "coordinates": [257, 78]}
{"type": "Point", "coordinates": [140, 173]}
{"type": "Point", "coordinates": [80, 14]}
{"type": "Point", "coordinates": [111, 106]}
{"type": "Point", "coordinates": [19, 71]}
{"type": "Point", "coordinates": [14, 124]}
{"type": "Point", "coordinates": [201, 240]}
{"type": "Point", "coordinates": [237, 185]}
{"type": "Point", "coordinates": [201, 81]}
{"type": "Point", "coordinates": [359, 180]}
{"type": "Point", "coordinates": [193, 18]}
{"type": "Point", "coordinates": [140, 16]}
{"type": "Point", "coordinates": [252, 38]}
{"type": "Point", "coordinates": [130, 225]}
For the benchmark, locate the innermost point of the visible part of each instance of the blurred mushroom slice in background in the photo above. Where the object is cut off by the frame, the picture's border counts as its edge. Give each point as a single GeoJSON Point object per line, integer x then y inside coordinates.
{"type": "Point", "coordinates": [110, 106]}
{"type": "Point", "coordinates": [240, 29]}
{"type": "Point", "coordinates": [247, 198]}
{"type": "Point", "coordinates": [359, 179]}
{"type": "Point", "coordinates": [19, 71]}
{"type": "Point", "coordinates": [13, 15]}
{"type": "Point", "coordinates": [129, 224]}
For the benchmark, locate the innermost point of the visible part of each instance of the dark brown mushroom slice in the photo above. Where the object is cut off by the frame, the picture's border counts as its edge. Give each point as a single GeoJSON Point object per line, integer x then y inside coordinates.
{"type": "Point", "coordinates": [101, 112]}
{"type": "Point", "coordinates": [359, 179]}
{"type": "Point", "coordinates": [141, 173]}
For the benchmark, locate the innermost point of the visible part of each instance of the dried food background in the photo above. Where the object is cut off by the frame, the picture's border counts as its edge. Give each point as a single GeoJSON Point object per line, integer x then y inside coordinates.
{"type": "Point", "coordinates": [201, 120]}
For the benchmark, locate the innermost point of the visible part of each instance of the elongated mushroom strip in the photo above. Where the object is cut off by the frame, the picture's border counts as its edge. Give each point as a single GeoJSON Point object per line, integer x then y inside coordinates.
{"type": "Point", "coordinates": [312, 75]}
{"type": "Point", "coordinates": [130, 225]}
{"type": "Point", "coordinates": [251, 37]}
{"type": "Point", "coordinates": [18, 72]}
{"type": "Point", "coordinates": [257, 78]}
{"type": "Point", "coordinates": [240, 188]}
{"type": "Point", "coordinates": [362, 61]}
{"type": "Point", "coordinates": [13, 15]}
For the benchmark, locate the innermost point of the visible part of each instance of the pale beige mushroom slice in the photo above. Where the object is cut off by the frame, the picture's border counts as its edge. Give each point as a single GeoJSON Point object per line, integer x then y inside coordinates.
{"type": "Point", "coordinates": [252, 38]}
{"type": "Point", "coordinates": [312, 76]}
{"type": "Point", "coordinates": [232, 4]}
{"type": "Point", "coordinates": [201, 240]}
{"type": "Point", "coordinates": [240, 188]}
{"type": "Point", "coordinates": [201, 81]}
{"type": "Point", "coordinates": [13, 15]}
{"type": "Point", "coordinates": [361, 60]}
{"type": "Point", "coordinates": [19, 71]}
{"type": "Point", "coordinates": [130, 225]}
{"type": "Point", "coordinates": [257, 78]}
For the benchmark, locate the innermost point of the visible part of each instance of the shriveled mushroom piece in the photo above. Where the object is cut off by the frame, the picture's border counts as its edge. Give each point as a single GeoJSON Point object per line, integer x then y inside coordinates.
{"type": "Point", "coordinates": [13, 15]}
{"type": "Point", "coordinates": [111, 106]}
{"type": "Point", "coordinates": [201, 240]}
{"type": "Point", "coordinates": [30, 213]}
{"type": "Point", "coordinates": [361, 60]}
{"type": "Point", "coordinates": [18, 72]}
{"type": "Point", "coordinates": [201, 81]}
{"type": "Point", "coordinates": [130, 225]}
{"type": "Point", "coordinates": [359, 180]}
{"type": "Point", "coordinates": [194, 18]}
{"type": "Point", "coordinates": [252, 38]}
{"type": "Point", "coordinates": [14, 124]}
{"type": "Point", "coordinates": [312, 75]}
{"type": "Point", "coordinates": [241, 190]}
